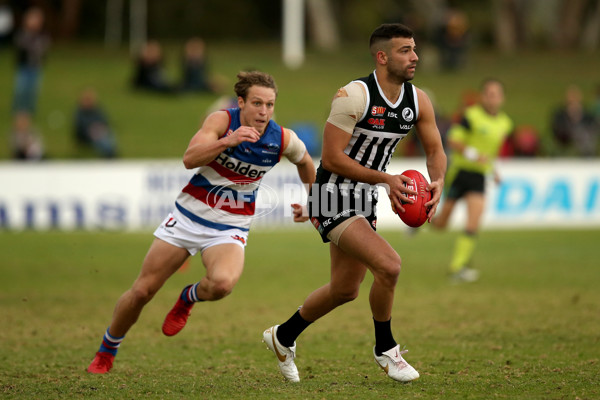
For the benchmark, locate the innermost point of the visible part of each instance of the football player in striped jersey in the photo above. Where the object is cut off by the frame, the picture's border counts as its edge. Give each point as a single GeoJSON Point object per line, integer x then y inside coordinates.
{"type": "Point", "coordinates": [368, 117]}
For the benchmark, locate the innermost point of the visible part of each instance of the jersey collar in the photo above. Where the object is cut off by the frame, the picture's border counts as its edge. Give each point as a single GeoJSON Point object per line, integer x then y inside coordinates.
{"type": "Point", "coordinates": [389, 103]}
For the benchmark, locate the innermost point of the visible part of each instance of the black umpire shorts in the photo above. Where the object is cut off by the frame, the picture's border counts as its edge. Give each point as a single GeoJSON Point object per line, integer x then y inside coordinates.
{"type": "Point", "coordinates": [465, 182]}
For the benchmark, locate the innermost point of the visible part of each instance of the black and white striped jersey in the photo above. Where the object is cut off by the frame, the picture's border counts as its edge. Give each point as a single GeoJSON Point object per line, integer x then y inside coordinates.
{"type": "Point", "coordinates": [378, 131]}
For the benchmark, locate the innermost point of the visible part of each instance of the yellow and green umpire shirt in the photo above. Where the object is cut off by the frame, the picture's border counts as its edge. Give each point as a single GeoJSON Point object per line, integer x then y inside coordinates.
{"type": "Point", "coordinates": [484, 132]}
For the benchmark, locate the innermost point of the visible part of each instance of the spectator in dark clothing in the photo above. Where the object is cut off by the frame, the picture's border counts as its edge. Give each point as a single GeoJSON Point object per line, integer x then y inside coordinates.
{"type": "Point", "coordinates": [31, 44]}
{"type": "Point", "coordinates": [452, 40]}
{"type": "Point", "coordinates": [92, 128]}
{"type": "Point", "coordinates": [574, 128]}
{"type": "Point", "coordinates": [194, 69]}
{"type": "Point", "coordinates": [149, 70]}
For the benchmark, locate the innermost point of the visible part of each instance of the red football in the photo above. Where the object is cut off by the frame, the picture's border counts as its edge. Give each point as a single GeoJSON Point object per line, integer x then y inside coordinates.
{"type": "Point", "coordinates": [415, 214]}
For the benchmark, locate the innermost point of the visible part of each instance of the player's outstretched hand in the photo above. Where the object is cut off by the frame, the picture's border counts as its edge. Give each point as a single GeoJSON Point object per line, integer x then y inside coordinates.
{"type": "Point", "coordinates": [300, 212]}
{"type": "Point", "coordinates": [242, 134]}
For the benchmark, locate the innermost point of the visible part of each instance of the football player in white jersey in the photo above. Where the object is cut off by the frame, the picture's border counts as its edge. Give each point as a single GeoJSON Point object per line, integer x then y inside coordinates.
{"type": "Point", "coordinates": [190, 228]}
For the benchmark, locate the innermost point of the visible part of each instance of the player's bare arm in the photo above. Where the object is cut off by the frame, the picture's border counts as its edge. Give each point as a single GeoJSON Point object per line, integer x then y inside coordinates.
{"type": "Point", "coordinates": [211, 140]}
{"type": "Point", "coordinates": [296, 153]}
{"type": "Point", "coordinates": [430, 138]}
{"type": "Point", "coordinates": [335, 160]}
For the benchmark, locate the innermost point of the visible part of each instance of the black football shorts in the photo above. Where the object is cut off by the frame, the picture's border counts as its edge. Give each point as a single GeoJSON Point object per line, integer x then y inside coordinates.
{"type": "Point", "coordinates": [465, 182]}
{"type": "Point", "coordinates": [330, 205]}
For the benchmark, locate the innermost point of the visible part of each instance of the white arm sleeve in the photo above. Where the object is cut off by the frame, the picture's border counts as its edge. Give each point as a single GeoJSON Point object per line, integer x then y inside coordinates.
{"type": "Point", "coordinates": [348, 106]}
{"type": "Point", "coordinates": [295, 149]}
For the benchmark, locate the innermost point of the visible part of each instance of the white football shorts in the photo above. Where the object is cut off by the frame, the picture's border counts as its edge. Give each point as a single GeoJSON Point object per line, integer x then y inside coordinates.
{"type": "Point", "coordinates": [180, 231]}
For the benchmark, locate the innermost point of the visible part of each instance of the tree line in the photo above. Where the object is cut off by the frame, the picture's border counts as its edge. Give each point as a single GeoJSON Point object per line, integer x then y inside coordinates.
{"type": "Point", "coordinates": [506, 25]}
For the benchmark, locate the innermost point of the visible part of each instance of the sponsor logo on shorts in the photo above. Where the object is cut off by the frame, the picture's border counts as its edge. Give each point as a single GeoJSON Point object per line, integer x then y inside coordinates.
{"type": "Point", "coordinates": [239, 238]}
{"type": "Point", "coordinates": [315, 222]}
{"type": "Point", "coordinates": [170, 222]}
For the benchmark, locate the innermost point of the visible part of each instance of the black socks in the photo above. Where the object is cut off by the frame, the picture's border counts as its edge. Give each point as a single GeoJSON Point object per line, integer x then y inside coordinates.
{"type": "Point", "coordinates": [384, 340]}
{"type": "Point", "coordinates": [291, 329]}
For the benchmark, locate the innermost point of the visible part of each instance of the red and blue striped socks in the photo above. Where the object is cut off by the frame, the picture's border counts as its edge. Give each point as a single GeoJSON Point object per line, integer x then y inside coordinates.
{"type": "Point", "coordinates": [189, 295]}
{"type": "Point", "coordinates": [110, 344]}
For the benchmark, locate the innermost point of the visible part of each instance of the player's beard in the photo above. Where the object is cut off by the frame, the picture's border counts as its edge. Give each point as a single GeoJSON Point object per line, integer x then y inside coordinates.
{"type": "Point", "coordinates": [400, 75]}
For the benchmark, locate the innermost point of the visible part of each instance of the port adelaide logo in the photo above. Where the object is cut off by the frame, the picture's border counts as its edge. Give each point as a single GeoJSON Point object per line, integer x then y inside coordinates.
{"type": "Point", "coordinates": [407, 114]}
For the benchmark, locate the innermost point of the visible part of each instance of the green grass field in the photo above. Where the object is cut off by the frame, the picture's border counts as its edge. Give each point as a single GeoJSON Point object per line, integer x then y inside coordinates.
{"type": "Point", "coordinates": [530, 329]}
{"type": "Point", "coordinates": [150, 126]}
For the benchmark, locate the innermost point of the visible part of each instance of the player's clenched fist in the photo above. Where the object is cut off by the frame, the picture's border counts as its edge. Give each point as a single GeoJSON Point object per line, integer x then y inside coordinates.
{"type": "Point", "coordinates": [300, 212]}
{"type": "Point", "coordinates": [242, 134]}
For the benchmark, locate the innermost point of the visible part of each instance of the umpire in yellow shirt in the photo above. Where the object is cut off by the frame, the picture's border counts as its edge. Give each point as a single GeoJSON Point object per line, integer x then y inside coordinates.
{"type": "Point", "coordinates": [474, 145]}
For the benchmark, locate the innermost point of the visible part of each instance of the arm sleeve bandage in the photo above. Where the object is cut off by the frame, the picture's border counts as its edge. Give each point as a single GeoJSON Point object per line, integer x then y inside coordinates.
{"type": "Point", "coordinates": [348, 106]}
{"type": "Point", "coordinates": [295, 149]}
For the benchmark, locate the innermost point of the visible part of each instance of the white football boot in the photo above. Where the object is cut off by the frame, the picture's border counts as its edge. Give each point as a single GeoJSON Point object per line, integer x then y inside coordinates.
{"type": "Point", "coordinates": [285, 355]}
{"type": "Point", "coordinates": [395, 366]}
{"type": "Point", "coordinates": [466, 275]}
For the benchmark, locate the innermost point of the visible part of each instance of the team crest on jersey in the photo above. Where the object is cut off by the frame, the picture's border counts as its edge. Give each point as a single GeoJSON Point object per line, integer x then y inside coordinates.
{"type": "Point", "coordinates": [271, 148]}
{"type": "Point", "coordinates": [377, 111]}
{"type": "Point", "coordinates": [408, 114]}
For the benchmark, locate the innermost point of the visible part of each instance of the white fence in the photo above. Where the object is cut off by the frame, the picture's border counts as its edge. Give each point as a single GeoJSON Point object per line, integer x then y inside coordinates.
{"type": "Point", "coordinates": [137, 195]}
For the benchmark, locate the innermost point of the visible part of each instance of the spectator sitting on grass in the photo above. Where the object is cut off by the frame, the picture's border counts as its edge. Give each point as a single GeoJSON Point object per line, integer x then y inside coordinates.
{"type": "Point", "coordinates": [26, 142]}
{"type": "Point", "coordinates": [193, 68]}
{"type": "Point", "coordinates": [91, 126]}
{"type": "Point", "coordinates": [149, 70]}
{"type": "Point", "coordinates": [573, 126]}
